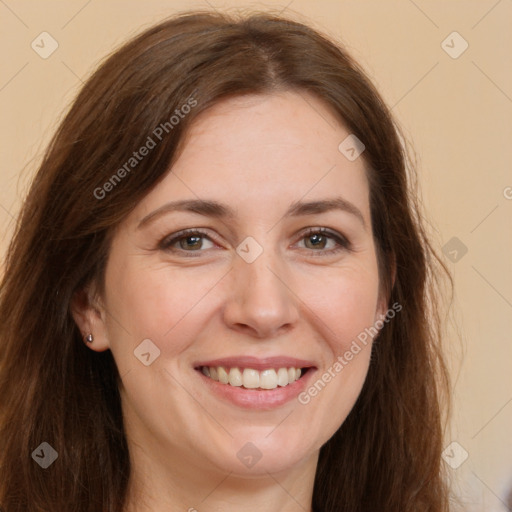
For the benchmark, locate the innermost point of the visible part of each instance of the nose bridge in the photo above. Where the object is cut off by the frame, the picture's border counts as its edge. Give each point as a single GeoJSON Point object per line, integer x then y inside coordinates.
{"type": "Point", "coordinates": [260, 299]}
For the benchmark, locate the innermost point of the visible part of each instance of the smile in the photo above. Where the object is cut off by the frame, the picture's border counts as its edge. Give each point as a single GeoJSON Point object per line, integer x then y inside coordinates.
{"type": "Point", "coordinates": [259, 383]}
{"type": "Point", "coordinates": [250, 378]}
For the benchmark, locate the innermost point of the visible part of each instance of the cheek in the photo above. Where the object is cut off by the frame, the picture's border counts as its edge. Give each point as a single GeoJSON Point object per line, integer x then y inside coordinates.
{"type": "Point", "coordinates": [156, 303]}
{"type": "Point", "coordinates": [344, 303]}
{"type": "Point", "coordinates": [345, 315]}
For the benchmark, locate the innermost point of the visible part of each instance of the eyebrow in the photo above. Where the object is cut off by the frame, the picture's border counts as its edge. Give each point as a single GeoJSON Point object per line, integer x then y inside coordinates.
{"type": "Point", "coordinates": [210, 208]}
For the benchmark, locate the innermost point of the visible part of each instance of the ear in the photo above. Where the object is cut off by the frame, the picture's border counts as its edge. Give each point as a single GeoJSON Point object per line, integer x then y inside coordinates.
{"type": "Point", "coordinates": [90, 317]}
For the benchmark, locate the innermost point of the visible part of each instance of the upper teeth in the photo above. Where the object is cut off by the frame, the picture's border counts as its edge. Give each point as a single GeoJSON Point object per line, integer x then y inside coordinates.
{"type": "Point", "coordinates": [250, 378]}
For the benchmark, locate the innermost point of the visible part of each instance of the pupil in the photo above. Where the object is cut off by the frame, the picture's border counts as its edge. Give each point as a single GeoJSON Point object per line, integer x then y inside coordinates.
{"type": "Point", "coordinates": [191, 245]}
{"type": "Point", "coordinates": [317, 239]}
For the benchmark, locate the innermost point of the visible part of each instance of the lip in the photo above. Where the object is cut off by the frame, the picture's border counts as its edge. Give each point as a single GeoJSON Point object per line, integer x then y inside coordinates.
{"type": "Point", "coordinates": [254, 398]}
{"type": "Point", "coordinates": [257, 363]}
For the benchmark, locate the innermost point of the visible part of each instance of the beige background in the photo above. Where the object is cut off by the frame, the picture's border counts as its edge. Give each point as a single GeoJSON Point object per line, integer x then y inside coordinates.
{"type": "Point", "coordinates": [457, 112]}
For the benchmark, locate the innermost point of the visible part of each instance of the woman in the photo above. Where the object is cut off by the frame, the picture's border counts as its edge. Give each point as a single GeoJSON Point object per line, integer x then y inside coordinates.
{"type": "Point", "coordinates": [218, 296]}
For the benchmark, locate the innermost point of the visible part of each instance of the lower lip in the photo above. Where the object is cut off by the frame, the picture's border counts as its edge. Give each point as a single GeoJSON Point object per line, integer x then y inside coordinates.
{"type": "Point", "coordinates": [255, 398]}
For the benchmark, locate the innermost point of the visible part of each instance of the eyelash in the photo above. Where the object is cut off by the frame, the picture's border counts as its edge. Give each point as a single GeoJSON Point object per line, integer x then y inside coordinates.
{"type": "Point", "coordinates": [343, 243]}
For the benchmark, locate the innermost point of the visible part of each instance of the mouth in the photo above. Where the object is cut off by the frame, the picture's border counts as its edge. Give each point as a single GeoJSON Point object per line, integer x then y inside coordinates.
{"type": "Point", "coordinates": [256, 383]}
{"type": "Point", "coordinates": [251, 378]}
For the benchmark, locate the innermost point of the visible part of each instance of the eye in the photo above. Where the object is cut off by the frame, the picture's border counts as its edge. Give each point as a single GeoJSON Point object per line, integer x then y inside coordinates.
{"type": "Point", "coordinates": [323, 241]}
{"type": "Point", "coordinates": [188, 240]}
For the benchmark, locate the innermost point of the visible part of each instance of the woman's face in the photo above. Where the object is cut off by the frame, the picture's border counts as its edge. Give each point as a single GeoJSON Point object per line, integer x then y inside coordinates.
{"type": "Point", "coordinates": [254, 287]}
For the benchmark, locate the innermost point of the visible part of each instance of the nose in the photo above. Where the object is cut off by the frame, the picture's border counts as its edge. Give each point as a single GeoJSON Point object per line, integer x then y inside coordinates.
{"type": "Point", "coordinates": [261, 303]}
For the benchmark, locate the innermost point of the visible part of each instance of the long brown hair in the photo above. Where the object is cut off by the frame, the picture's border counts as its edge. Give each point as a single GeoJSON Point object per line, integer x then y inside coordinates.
{"type": "Point", "coordinates": [387, 454]}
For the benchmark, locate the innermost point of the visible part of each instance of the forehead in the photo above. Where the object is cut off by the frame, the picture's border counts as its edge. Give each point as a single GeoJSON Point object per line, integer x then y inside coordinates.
{"type": "Point", "coordinates": [278, 129]}
{"type": "Point", "coordinates": [267, 150]}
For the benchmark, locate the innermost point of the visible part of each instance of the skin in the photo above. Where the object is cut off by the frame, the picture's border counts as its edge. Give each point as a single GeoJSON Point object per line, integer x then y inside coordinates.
{"type": "Point", "coordinates": [257, 155]}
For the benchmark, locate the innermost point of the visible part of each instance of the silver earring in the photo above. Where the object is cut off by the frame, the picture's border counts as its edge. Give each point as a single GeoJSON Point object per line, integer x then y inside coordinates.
{"type": "Point", "coordinates": [89, 338]}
